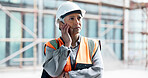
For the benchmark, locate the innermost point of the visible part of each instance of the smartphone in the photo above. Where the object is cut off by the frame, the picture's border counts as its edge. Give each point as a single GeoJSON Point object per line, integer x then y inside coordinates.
{"type": "Point", "coordinates": [62, 20]}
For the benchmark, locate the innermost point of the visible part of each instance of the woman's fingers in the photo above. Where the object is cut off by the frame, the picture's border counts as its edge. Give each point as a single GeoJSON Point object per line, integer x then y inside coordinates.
{"type": "Point", "coordinates": [66, 75]}
{"type": "Point", "coordinates": [65, 28]}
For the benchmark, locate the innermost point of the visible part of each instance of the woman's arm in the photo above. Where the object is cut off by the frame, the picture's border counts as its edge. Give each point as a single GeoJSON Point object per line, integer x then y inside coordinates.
{"type": "Point", "coordinates": [95, 71]}
{"type": "Point", "coordinates": [55, 60]}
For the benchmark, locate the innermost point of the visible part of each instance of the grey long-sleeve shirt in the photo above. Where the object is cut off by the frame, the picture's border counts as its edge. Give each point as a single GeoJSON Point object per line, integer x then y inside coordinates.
{"type": "Point", "coordinates": [57, 60]}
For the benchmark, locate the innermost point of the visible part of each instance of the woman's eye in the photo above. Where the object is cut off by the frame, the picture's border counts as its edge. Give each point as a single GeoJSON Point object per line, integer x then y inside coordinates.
{"type": "Point", "coordinates": [71, 18]}
{"type": "Point", "coordinates": [79, 18]}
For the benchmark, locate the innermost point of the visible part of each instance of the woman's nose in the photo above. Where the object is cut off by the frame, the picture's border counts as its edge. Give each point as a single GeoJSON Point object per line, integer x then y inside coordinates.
{"type": "Point", "coordinates": [77, 21]}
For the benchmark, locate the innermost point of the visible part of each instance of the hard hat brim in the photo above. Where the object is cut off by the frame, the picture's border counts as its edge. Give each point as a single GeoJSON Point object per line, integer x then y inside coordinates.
{"type": "Point", "coordinates": [71, 12]}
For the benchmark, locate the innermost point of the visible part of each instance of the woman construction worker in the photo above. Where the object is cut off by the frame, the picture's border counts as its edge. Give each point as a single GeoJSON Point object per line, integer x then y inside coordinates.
{"type": "Point", "coordinates": [72, 55]}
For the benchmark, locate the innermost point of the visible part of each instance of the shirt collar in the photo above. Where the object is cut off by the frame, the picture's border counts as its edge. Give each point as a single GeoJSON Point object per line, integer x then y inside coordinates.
{"type": "Point", "coordinates": [78, 42]}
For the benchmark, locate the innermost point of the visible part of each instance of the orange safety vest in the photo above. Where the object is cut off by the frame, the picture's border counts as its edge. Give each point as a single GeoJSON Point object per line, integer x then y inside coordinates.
{"type": "Point", "coordinates": [84, 56]}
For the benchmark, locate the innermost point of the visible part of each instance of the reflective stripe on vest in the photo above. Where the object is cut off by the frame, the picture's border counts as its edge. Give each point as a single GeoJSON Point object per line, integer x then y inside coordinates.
{"type": "Point", "coordinates": [86, 51]}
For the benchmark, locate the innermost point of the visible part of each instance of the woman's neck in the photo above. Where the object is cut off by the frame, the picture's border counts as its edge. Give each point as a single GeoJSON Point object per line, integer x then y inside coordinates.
{"type": "Point", "coordinates": [74, 39]}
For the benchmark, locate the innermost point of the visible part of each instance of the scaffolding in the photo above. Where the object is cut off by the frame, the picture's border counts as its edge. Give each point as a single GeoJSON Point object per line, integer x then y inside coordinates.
{"type": "Point", "coordinates": [140, 51]}
{"type": "Point", "coordinates": [39, 11]}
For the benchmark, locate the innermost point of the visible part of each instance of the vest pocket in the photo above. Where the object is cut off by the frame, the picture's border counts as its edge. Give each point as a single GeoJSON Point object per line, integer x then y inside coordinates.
{"type": "Point", "coordinates": [81, 66]}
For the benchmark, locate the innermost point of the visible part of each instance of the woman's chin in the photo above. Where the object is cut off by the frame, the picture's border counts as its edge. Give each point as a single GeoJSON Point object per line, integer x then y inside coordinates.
{"type": "Point", "coordinates": [77, 30]}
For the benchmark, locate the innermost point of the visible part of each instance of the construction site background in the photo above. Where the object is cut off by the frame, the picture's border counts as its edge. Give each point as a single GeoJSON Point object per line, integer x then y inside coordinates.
{"type": "Point", "coordinates": [121, 25]}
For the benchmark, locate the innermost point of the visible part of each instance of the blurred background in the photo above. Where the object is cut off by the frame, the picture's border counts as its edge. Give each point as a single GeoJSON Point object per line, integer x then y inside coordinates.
{"type": "Point", "coordinates": [121, 25]}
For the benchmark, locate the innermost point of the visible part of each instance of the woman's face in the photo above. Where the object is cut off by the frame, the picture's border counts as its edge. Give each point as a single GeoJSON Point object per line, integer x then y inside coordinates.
{"type": "Point", "coordinates": [74, 20]}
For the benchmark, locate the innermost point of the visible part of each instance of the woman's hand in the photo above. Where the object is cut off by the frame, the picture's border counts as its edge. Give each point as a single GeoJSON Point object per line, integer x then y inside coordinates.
{"type": "Point", "coordinates": [65, 34]}
{"type": "Point", "coordinates": [66, 75]}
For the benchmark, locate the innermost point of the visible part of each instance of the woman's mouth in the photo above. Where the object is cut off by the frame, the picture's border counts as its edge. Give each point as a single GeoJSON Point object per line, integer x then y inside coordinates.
{"type": "Point", "coordinates": [76, 27]}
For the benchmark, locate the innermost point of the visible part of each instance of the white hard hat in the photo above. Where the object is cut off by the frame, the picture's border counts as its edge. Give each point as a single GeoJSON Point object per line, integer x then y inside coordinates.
{"type": "Point", "coordinates": [65, 8]}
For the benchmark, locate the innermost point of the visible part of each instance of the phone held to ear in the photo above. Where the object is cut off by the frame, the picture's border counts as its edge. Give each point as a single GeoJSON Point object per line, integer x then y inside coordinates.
{"type": "Point", "coordinates": [62, 22]}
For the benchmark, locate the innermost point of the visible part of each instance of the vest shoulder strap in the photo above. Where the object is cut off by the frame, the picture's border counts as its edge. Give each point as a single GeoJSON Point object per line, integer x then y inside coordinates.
{"type": "Point", "coordinates": [52, 44]}
{"type": "Point", "coordinates": [93, 45]}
